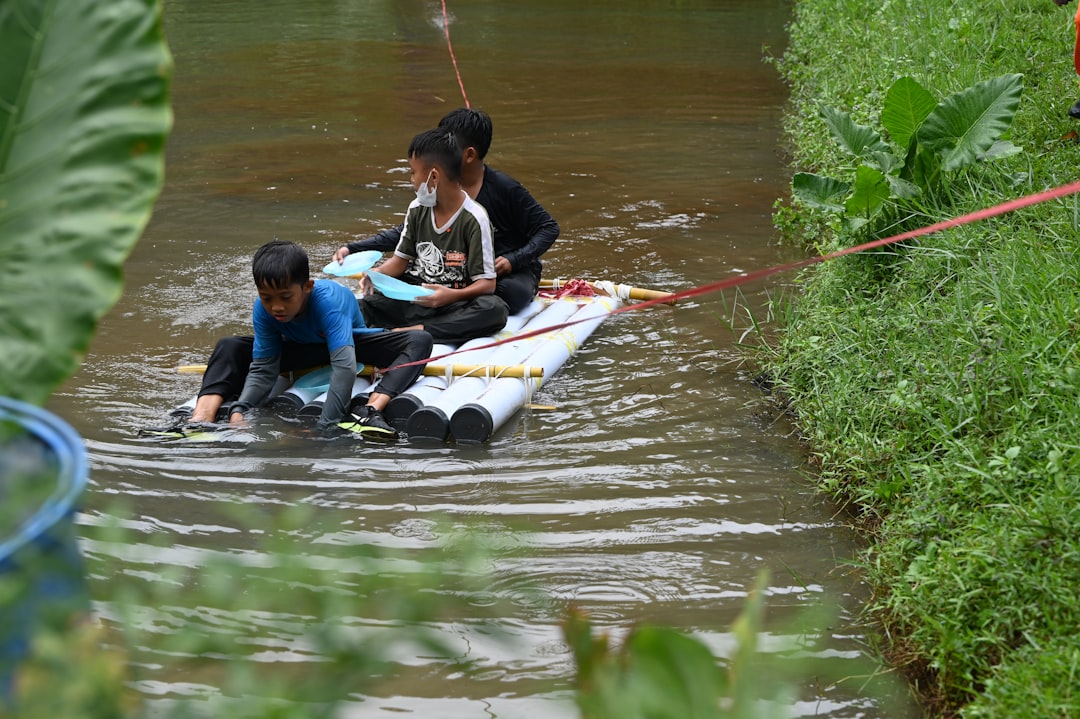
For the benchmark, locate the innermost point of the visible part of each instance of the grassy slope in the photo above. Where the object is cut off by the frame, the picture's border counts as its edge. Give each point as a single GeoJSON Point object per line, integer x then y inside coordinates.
{"type": "Point", "coordinates": [939, 385]}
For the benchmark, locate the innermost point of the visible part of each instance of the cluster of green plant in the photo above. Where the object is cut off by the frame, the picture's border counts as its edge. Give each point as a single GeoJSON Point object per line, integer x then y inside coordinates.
{"type": "Point", "coordinates": [938, 384]}
{"type": "Point", "coordinates": [84, 113]}
{"type": "Point", "coordinates": [658, 672]}
{"type": "Point", "coordinates": [932, 138]}
{"type": "Point", "coordinates": [351, 610]}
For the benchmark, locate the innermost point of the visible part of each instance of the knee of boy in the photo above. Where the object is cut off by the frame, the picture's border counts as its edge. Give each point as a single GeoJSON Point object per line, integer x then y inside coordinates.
{"type": "Point", "coordinates": [500, 311]}
{"type": "Point", "coordinates": [232, 346]}
{"type": "Point", "coordinates": [422, 343]}
{"type": "Point", "coordinates": [518, 300]}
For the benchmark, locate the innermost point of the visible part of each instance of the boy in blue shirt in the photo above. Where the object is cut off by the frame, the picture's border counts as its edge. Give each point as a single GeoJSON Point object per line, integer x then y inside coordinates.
{"type": "Point", "coordinates": [301, 323]}
{"type": "Point", "coordinates": [446, 247]}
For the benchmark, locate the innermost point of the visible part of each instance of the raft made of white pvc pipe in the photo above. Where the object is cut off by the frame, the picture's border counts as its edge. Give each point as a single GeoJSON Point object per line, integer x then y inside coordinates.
{"type": "Point", "coordinates": [476, 421]}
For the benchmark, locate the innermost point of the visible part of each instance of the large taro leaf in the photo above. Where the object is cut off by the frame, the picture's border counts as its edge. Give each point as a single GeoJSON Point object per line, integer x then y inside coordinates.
{"type": "Point", "coordinates": [966, 125]}
{"type": "Point", "coordinates": [907, 105]}
{"type": "Point", "coordinates": [855, 139]}
{"type": "Point", "coordinates": [83, 118]}
{"type": "Point", "coordinates": [869, 193]}
{"type": "Point", "coordinates": [819, 192]}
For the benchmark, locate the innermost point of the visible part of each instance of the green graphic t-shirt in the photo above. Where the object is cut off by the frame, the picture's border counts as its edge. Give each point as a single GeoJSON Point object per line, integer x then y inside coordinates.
{"type": "Point", "coordinates": [455, 255]}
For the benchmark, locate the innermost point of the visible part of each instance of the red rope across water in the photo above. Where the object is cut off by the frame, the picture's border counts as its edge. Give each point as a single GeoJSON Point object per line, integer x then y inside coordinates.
{"type": "Point", "coordinates": [1001, 209]}
{"type": "Point", "coordinates": [450, 47]}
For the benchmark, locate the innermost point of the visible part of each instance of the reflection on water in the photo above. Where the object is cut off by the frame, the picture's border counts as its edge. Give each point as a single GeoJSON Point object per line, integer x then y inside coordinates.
{"type": "Point", "coordinates": [655, 489]}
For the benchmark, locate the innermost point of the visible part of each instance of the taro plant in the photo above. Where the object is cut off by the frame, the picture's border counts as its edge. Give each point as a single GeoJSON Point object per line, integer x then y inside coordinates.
{"type": "Point", "coordinates": [926, 140]}
{"type": "Point", "coordinates": [84, 113]}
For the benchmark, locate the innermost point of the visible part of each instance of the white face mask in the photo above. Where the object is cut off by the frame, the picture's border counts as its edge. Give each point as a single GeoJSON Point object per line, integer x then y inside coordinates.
{"type": "Point", "coordinates": [424, 196]}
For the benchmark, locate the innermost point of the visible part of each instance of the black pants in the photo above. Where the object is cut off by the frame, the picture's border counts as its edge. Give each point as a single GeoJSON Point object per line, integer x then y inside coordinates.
{"type": "Point", "coordinates": [229, 362]}
{"type": "Point", "coordinates": [517, 289]}
{"type": "Point", "coordinates": [456, 322]}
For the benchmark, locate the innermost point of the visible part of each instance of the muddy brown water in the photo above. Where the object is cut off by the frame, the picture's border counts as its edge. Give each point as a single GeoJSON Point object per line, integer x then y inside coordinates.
{"type": "Point", "coordinates": [658, 484]}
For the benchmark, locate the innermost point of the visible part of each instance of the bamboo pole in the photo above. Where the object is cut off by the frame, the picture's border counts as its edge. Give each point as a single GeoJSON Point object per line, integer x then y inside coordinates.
{"type": "Point", "coordinates": [622, 291]}
{"type": "Point", "coordinates": [432, 370]}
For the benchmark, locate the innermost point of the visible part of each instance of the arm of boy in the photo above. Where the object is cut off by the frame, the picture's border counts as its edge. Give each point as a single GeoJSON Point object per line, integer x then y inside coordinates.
{"type": "Point", "coordinates": [383, 241]}
{"type": "Point", "coordinates": [529, 220]}
{"type": "Point", "coordinates": [443, 295]}
{"type": "Point", "coordinates": [394, 267]}
{"type": "Point", "coordinates": [342, 377]}
{"type": "Point", "coordinates": [262, 374]}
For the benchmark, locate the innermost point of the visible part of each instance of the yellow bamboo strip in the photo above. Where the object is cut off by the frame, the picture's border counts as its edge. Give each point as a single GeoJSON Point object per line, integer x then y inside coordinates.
{"type": "Point", "coordinates": [635, 293]}
{"type": "Point", "coordinates": [433, 370]}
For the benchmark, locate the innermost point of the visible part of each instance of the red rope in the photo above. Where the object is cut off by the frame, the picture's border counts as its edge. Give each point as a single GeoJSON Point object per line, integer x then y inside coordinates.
{"type": "Point", "coordinates": [744, 278]}
{"type": "Point", "coordinates": [983, 214]}
{"type": "Point", "coordinates": [450, 47]}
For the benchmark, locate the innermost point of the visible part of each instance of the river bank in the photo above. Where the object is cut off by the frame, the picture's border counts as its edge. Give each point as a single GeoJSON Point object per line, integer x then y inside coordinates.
{"type": "Point", "coordinates": [937, 384]}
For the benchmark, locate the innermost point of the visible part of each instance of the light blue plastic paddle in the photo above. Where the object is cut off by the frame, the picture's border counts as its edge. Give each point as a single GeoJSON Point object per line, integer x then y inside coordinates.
{"type": "Point", "coordinates": [396, 289]}
{"type": "Point", "coordinates": [361, 262]}
{"type": "Point", "coordinates": [354, 264]}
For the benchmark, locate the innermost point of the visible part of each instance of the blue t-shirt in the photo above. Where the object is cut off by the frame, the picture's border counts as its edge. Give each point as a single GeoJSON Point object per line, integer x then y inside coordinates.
{"type": "Point", "coordinates": [332, 317]}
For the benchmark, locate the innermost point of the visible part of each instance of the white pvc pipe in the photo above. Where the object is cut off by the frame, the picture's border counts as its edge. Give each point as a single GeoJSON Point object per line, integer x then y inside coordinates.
{"type": "Point", "coordinates": [432, 421]}
{"type": "Point", "coordinates": [303, 390]}
{"type": "Point", "coordinates": [427, 389]}
{"type": "Point", "coordinates": [503, 397]}
{"type": "Point", "coordinates": [361, 386]}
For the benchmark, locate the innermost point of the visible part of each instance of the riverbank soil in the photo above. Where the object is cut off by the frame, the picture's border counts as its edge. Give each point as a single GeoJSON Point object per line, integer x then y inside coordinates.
{"type": "Point", "coordinates": [938, 382]}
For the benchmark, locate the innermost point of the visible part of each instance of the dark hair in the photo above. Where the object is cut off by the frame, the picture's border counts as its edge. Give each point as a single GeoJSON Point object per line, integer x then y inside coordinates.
{"type": "Point", "coordinates": [439, 148]}
{"type": "Point", "coordinates": [472, 128]}
{"type": "Point", "coordinates": [279, 264]}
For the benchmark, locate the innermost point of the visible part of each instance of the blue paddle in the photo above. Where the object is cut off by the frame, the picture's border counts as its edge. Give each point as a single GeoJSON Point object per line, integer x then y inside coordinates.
{"type": "Point", "coordinates": [361, 262]}
{"type": "Point", "coordinates": [354, 264]}
{"type": "Point", "coordinates": [396, 289]}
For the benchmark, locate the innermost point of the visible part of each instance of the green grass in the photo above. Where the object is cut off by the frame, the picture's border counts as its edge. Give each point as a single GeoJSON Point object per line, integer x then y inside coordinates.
{"type": "Point", "coordinates": [938, 383]}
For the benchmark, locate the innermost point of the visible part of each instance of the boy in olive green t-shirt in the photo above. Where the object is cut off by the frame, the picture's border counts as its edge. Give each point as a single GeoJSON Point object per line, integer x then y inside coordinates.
{"type": "Point", "coordinates": [445, 246]}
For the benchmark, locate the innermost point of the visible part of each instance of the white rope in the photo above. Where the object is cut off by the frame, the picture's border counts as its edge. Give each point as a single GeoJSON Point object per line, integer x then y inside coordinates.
{"type": "Point", "coordinates": [610, 289]}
